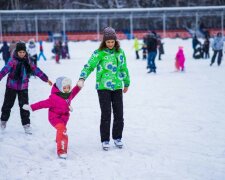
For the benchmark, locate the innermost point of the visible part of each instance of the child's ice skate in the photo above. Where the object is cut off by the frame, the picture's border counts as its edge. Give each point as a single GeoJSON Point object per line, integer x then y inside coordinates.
{"type": "Point", "coordinates": [105, 145]}
{"type": "Point", "coordinates": [63, 156]}
{"type": "Point", "coordinates": [3, 125]}
{"type": "Point", "coordinates": [118, 143]}
{"type": "Point", "coordinates": [27, 129]}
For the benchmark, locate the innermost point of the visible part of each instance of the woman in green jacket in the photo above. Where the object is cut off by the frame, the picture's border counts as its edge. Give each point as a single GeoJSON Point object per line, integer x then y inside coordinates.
{"type": "Point", "coordinates": [112, 80]}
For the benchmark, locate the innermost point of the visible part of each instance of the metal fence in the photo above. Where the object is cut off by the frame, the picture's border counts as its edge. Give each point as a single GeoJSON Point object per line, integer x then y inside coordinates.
{"type": "Point", "coordinates": [128, 22]}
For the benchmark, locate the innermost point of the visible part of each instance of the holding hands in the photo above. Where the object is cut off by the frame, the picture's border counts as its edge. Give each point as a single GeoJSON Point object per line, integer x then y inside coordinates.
{"type": "Point", "coordinates": [50, 83]}
{"type": "Point", "coordinates": [80, 83]}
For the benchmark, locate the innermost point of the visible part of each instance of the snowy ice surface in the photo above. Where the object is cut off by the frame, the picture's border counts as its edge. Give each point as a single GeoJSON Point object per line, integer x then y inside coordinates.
{"type": "Point", "coordinates": [174, 123]}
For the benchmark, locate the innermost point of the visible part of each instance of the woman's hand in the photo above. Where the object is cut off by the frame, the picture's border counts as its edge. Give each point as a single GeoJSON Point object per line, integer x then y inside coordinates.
{"type": "Point", "coordinates": [125, 89]}
{"type": "Point", "coordinates": [50, 83]}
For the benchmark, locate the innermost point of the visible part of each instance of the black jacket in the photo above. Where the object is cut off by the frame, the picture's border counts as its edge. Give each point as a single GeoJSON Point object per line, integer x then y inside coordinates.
{"type": "Point", "coordinates": [151, 43]}
{"type": "Point", "coordinates": [5, 52]}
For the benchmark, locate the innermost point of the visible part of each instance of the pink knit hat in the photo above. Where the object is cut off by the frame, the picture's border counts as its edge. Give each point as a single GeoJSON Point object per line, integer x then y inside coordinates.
{"type": "Point", "coordinates": [180, 47]}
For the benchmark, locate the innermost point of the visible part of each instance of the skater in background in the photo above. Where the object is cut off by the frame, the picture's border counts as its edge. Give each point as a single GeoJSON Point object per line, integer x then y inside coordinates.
{"type": "Point", "coordinates": [41, 53]}
{"type": "Point", "coordinates": [19, 70]}
{"type": "Point", "coordinates": [5, 52]}
{"type": "Point", "coordinates": [180, 59]}
{"type": "Point", "coordinates": [144, 51]}
{"type": "Point", "coordinates": [57, 51]}
{"type": "Point", "coordinates": [64, 51]}
{"type": "Point", "coordinates": [217, 47]}
{"type": "Point", "coordinates": [160, 47]}
{"type": "Point", "coordinates": [199, 52]}
{"type": "Point", "coordinates": [112, 80]}
{"type": "Point", "coordinates": [32, 52]}
{"type": "Point", "coordinates": [12, 47]}
{"type": "Point", "coordinates": [195, 43]}
{"type": "Point", "coordinates": [152, 51]}
{"type": "Point", "coordinates": [206, 46]}
{"type": "Point", "coordinates": [59, 108]}
{"type": "Point", "coordinates": [67, 50]}
{"type": "Point", "coordinates": [136, 48]}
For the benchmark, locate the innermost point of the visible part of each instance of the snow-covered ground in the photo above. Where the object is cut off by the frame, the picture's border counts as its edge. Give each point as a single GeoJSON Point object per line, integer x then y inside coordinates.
{"type": "Point", "coordinates": [174, 123]}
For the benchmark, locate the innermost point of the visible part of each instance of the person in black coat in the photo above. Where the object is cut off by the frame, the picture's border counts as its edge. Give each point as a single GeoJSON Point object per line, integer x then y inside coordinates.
{"type": "Point", "coordinates": [195, 43]}
{"type": "Point", "coordinates": [5, 52]}
{"type": "Point", "coordinates": [160, 47]}
{"type": "Point", "coordinates": [151, 43]}
{"type": "Point", "coordinates": [206, 46]}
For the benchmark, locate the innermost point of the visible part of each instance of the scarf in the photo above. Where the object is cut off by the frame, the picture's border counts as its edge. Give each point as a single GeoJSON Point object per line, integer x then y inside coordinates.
{"type": "Point", "coordinates": [22, 62]}
{"type": "Point", "coordinates": [63, 95]}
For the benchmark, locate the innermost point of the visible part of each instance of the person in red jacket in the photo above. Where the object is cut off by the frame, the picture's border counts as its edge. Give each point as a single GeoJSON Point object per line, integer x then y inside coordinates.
{"type": "Point", "coordinates": [59, 107]}
{"type": "Point", "coordinates": [180, 59]}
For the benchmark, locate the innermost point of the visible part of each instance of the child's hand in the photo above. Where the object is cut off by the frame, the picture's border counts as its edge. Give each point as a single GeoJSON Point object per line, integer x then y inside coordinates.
{"type": "Point", "coordinates": [27, 107]}
{"type": "Point", "coordinates": [80, 83]}
{"type": "Point", "coordinates": [50, 83]}
{"type": "Point", "coordinates": [71, 108]}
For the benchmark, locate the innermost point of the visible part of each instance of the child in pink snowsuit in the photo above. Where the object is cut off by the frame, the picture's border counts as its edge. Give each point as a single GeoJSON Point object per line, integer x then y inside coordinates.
{"type": "Point", "coordinates": [59, 110]}
{"type": "Point", "coordinates": [180, 59]}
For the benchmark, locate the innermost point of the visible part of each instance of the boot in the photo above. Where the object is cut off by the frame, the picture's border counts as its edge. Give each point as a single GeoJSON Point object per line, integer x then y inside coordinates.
{"type": "Point", "coordinates": [3, 124]}
{"type": "Point", "coordinates": [27, 129]}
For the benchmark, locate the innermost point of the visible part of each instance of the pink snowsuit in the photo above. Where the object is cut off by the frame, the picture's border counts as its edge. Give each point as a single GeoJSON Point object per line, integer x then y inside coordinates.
{"type": "Point", "coordinates": [58, 107]}
{"type": "Point", "coordinates": [180, 58]}
{"type": "Point", "coordinates": [58, 115]}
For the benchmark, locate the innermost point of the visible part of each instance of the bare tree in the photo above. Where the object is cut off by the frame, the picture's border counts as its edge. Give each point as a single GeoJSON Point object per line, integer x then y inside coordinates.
{"type": "Point", "coordinates": [120, 4]}
{"type": "Point", "coordinates": [137, 3]}
{"type": "Point", "coordinates": [85, 5]}
{"type": "Point", "coordinates": [99, 4]}
{"type": "Point", "coordinates": [12, 4]}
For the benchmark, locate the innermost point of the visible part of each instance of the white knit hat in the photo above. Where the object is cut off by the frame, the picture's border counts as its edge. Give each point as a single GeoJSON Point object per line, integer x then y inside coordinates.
{"type": "Point", "coordinates": [61, 82]}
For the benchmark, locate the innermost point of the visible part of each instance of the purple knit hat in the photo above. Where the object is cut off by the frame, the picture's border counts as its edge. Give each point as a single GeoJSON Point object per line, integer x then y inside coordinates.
{"type": "Point", "coordinates": [109, 34]}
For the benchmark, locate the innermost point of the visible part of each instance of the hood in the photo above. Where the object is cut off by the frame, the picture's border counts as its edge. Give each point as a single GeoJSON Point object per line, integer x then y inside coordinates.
{"type": "Point", "coordinates": [180, 51]}
{"type": "Point", "coordinates": [54, 89]}
{"type": "Point", "coordinates": [31, 45]}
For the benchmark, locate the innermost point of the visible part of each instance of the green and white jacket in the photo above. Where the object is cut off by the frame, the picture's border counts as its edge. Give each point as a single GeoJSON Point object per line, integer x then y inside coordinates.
{"type": "Point", "coordinates": [112, 73]}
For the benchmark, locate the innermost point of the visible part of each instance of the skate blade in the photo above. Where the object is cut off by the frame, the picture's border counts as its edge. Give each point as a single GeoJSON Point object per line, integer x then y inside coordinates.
{"type": "Point", "coordinates": [105, 148]}
{"type": "Point", "coordinates": [62, 158]}
{"type": "Point", "coordinates": [119, 146]}
{"type": "Point", "coordinates": [29, 133]}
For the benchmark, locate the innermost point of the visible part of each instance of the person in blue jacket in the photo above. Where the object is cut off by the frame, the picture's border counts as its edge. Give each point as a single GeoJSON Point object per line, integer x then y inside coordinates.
{"type": "Point", "coordinates": [217, 47]}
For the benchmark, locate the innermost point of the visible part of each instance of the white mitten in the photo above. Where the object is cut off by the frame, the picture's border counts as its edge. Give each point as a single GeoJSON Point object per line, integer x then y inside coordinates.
{"type": "Point", "coordinates": [27, 107]}
{"type": "Point", "coordinates": [80, 83]}
{"type": "Point", "coordinates": [71, 108]}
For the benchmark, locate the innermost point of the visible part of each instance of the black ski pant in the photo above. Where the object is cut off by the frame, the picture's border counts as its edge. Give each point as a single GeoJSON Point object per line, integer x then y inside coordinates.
{"type": "Point", "coordinates": [111, 100]}
{"type": "Point", "coordinates": [34, 59]}
{"type": "Point", "coordinates": [220, 55]}
{"type": "Point", "coordinates": [137, 55]}
{"type": "Point", "coordinates": [10, 97]}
